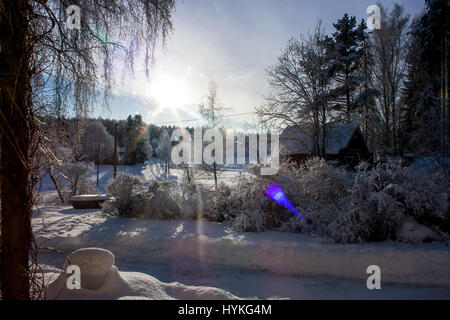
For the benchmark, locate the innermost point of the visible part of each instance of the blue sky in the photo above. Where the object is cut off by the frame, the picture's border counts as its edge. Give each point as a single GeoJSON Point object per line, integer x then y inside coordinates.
{"type": "Point", "coordinates": [231, 42]}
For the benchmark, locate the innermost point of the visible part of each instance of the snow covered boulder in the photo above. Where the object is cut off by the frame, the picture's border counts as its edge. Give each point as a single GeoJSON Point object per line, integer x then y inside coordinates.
{"type": "Point", "coordinates": [413, 232]}
{"type": "Point", "coordinates": [95, 265]}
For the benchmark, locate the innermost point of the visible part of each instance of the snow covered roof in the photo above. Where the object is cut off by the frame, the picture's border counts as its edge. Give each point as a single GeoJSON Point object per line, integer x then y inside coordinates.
{"type": "Point", "coordinates": [293, 140]}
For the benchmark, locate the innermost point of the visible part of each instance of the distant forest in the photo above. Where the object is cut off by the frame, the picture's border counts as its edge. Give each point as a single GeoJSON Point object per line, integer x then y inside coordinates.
{"type": "Point", "coordinates": [93, 139]}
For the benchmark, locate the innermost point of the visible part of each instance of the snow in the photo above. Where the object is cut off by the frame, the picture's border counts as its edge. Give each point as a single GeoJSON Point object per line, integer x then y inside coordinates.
{"type": "Point", "coordinates": [100, 279]}
{"type": "Point", "coordinates": [261, 265]}
{"type": "Point", "coordinates": [95, 265]}
{"type": "Point", "coordinates": [150, 171]}
{"type": "Point", "coordinates": [411, 231]}
{"type": "Point", "coordinates": [90, 197]}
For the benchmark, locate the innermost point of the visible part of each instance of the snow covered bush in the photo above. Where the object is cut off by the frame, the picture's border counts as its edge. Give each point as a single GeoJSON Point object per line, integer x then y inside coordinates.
{"type": "Point", "coordinates": [381, 197]}
{"type": "Point", "coordinates": [162, 201]}
{"type": "Point", "coordinates": [348, 207]}
{"type": "Point", "coordinates": [248, 208]}
{"type": "Point", "coordinates": [314, 188]}
{"type": "Point", "coordinates": [374, 219]}
{"type": "Point", "coordinates": [127, 192]}
{"type": "Point", "coordinates": [321, 182]}
{"type": "Point", "coordinates": [196, 199]}
{"type": "Point", "coordinates": [250, 221]}
{"type": "Point", "coordinates": [419, 194]}
{"type": "Point", "coordinates": [133, 199]}
{"type": "Point", "coordinates": [228, 204]}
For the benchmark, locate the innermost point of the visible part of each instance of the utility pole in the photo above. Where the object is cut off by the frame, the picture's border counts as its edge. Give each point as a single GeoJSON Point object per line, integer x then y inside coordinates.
{"type": "Point", "coordinates": [115, 150]}
{"type": "Point", "coordinates": [98, 163]}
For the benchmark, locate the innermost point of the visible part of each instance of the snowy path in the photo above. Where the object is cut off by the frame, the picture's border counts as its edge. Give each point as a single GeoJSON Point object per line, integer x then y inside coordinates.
{"type": "Point", "coordinates": [265, 285]}
{"type": "Point", "coordinates": [262, 265]}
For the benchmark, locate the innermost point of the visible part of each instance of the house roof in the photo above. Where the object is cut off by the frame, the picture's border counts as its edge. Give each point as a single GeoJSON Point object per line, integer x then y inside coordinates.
{"type": "Point", "coordinates": [294, 141]}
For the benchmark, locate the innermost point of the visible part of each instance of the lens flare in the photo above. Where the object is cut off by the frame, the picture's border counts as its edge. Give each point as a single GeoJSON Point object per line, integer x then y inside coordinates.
{"type": "Point", "coordinates": [275, 193]}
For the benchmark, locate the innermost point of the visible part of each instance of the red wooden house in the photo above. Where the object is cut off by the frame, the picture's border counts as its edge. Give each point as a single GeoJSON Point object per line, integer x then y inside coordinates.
{"type": "Point", "coordinates": [344, 144]}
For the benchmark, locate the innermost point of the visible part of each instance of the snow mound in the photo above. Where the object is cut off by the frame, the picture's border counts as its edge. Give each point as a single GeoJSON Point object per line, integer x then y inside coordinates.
{"type": "Point", "coordinates": [411, 231]}
{"type": "Point", "coordinates": [95, 265]}
{"type": "Point", "coordinates": [101, 280]}
{"type": "Point", "coordinates": [197, 293]}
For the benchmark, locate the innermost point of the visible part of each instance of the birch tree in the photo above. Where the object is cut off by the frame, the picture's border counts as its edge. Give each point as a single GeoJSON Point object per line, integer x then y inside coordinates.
{"type": "Point", "coordinates": [74, 63]}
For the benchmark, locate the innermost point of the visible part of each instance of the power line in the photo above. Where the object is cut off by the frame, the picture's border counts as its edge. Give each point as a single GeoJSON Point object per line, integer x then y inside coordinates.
{"type": "Point", "coordinates": [191, 120]}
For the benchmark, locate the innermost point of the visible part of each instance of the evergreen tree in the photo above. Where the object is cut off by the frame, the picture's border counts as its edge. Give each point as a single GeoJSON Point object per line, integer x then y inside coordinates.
{"type": "Point", "coordinates": [425, 121]}
{"type": "Point", "coordinates": [412, 95]}
{"type": "Point", "coordinates": [135, 129]}
{"type": "Point", "coordinates": [349, 41]}
{"type": "Point", "coordinates": [143, 150]}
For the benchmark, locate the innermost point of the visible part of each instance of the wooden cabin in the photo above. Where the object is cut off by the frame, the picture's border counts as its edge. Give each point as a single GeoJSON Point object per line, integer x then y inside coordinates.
{"type": "Point", "coordinates": [344, 145]}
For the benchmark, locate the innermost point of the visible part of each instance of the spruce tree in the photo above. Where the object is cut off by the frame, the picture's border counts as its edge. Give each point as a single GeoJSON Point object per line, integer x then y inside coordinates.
{"type": "Point", "coordinates": [349, 40]}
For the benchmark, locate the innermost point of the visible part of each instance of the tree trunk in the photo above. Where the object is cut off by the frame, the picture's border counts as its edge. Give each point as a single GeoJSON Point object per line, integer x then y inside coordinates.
{"type": "Point", "coordinates": [58, 189]}
{"type": "Point", "coordinates": [347, 97]}
{"type": "Point", "coordinates": [215, 175]}
{"type": "Point", "coordinates": [98, 164]}
{"type": "Point", "coordinates": [115, 150]}
{"type": "Point", "coordinates": [394, 123]}
{"type": "Point", "coordinates": [16, 124]}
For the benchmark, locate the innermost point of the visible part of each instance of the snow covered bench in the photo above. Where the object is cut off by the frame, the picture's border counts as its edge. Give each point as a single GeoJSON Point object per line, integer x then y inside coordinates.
{"type": "Point", "coordinates": [88, 201]}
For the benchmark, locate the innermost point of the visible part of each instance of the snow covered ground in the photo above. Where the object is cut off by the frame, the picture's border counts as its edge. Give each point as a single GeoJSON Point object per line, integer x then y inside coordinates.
{"type": "Point", "coordinates": [149, 171]}
{"type": "Point", "coordinates": [252, 265]}
{"type": "Point", "coordinates": [184, 259]}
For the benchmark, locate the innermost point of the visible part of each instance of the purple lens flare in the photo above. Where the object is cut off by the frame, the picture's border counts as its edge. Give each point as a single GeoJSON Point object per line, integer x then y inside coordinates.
{"type": "Point", "coordinates": [277, 194]}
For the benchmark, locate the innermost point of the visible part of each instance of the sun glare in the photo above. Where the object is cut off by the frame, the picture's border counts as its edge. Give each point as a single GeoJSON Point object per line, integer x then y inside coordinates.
{"type": "Point", "coordinates": [169, 93]}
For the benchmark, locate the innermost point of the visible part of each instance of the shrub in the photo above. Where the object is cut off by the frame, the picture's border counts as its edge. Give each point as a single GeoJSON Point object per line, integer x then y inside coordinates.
{"type": "Point", "coordinates": [161, 201]}
{"type": "Point", "coordinates": [133, 199]}
{"type": "Point", "coordinates": [196, 200]}
{"type": "Point", "coordinates": [312, 186]}
{"type": "Point", "coordinates": [348, 207]}
{"type": "Point", "coordinates": [250, 221]}
{"type": "Point", "coordinates": [367, 205]}
{"type": "Point", "coordinates": [228, 203]}
{"type": "Point", "coordinates": [378, 200]}
{"type": "Point", "coordinates": [127, 192]}
{"type": "Point", "coordinates": [372, 220]}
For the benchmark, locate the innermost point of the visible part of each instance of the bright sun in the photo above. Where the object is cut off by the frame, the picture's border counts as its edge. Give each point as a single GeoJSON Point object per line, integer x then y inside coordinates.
{"type": "Point", "coordinates": [169, 93]}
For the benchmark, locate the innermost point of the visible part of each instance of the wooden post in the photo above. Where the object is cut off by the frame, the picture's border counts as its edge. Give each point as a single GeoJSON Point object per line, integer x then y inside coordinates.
{"type": "Point", "coordinates": [115, 150]}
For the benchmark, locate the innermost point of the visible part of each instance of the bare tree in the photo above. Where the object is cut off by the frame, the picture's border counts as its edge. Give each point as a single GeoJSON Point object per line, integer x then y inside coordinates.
{"type": "Point", "coordinates": [212, 111]}
{"type": "Point", "coordinates": [302, 87]}
{"type": "Point", "coordinates": [95, 135]}
{"type": "Point", "coordinates": [163, 151]}
{"type": "Point", "coordinates": [75, 64]}
{"type": "Point", "coordinates": [389, 47]}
